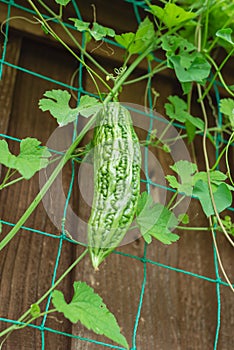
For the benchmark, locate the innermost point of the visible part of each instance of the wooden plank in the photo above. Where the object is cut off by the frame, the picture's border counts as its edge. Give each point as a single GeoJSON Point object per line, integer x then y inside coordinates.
{"type": "Point", "coordinates": [27, 263]}
{"type": "Point", "coordinates": [7, 83]}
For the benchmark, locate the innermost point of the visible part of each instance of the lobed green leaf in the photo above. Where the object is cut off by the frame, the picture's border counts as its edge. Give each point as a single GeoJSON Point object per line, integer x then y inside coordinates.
{"type": "Point", "coordinates": [171, 15]}
{"type": "Point", "coordinates": [88, 308]}
{"type": "Point", "coordinates": [185, 170]}
{"type": "Point", "coordinates": [57, 103]}
{"type": "Point", "coordinates": [222, 197]}
{"type": "Point", "coordinates": [154, 220]}
{"type": "Point", "coordinates": [32, 157]}
{"type": "Point", "coordinates": [137, 42]}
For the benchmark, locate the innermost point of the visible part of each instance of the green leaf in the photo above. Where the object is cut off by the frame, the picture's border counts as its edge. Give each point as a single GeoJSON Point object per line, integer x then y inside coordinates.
{"type": "Point", "coordinates": [35, 310]}
{"type": "Point", "coordinates": [222, 197]}
{"type": "Point", "coordinates": [226, 35]}
{"type": "Point", "coordinates": [57, 103]}
{"type": "Point", "coordinates": [177, 109]}
{"type": "Point", "coordinates": [137, 42]}
{"type": "Point", "coordinates": [62, 2]}
{"type": "Point", "coordinates": [125, 39]}
{"type": "Point", "coordinates": [171, 15]}
{"type": "Point", "coordinates": [6, 158]}
{"type": "Point", "coordinates": [184, 218]}
{"type": "Point", "coordinates": [228, 224]}
{"type": "Point", "coordinates": [88, 105]}
{"type": "Point", "coordinates": [185, 170]}
{"type": "Point", "coordinates": [216, 176]}
{"type": "Point", "coordinates": [227, 108]}
{"type": "Point", "coordinates": [88, 308]}
{"type": "Point", "coordinates": [98, 31]}
{"type": "Point", "coordinates": [187, 87]}
{"type": "Point", "coordinates": [80, 25]}
{"type": "Point", "coordinates": [182, 56]}
{"type": "Point", "coordinates": [32, 157]}
{"type": "Point", "coordinates": [172, 43]}
{"type": "Point", "coordinates": [154, 220]}
{"type": "Point", "coordinates": [191, 130]}
{"type": "Point", "coordinates": [190, 67]}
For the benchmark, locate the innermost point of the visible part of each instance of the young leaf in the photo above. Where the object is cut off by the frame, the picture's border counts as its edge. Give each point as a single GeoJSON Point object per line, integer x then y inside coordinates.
{"type": "Point", "coordinates": [98, 31]}
{"type": "Point", "coordinates": [228, 224]}
{"type": "Point", "coordinates": [144, 35]}
{"type": "Point", "coordinates": [154, 220]}
{"type": "Point", "coordinates": [222, 197]}
{"type": "Point", "coordinates": [57, 103]}
{"type": "Point", "coordinates": [62, 2]}
{"type": "Point", "coordinates": [88, 308]}
{"type": "Point", "coordinates": [35, 310]}
{"type": "Point", "coordinates": [32, 157]}
{"type": "Point", "coordinates": [185, 170]}
{"type": "Point", "coordinates": [225, 34]}
{"type": "Point", "coordinates": [184, 218]}
{"type": "Point", "coordinates": [137, 42]}
{"type": "Point", "coordinates": [177, 109]}
{"type": "Point", "coordinates": [171, 15]}
{"type": "Point", "coordinates": [80, 25]}
{"type": "Point", "coordinates": [227, 108]}
{"type": "Point", "coordinates": [125, 39]}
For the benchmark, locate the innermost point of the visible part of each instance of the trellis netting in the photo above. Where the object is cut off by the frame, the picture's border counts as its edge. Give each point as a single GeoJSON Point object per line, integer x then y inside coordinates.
{"type": "Point", "coordinates": [137, 7]}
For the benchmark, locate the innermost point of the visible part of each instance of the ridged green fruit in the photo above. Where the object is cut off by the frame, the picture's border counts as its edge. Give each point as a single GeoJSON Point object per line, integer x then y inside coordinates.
{"type": "Point", "coordinates": [117, 164]}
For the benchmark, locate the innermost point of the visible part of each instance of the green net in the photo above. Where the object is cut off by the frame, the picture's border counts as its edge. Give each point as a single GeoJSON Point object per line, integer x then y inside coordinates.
{"type": "Point", "coordinates": [42, 328]}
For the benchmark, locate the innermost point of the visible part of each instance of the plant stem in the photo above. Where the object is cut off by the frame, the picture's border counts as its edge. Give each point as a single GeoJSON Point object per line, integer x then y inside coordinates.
{"type": "Point", "coordinates": [27, 313]}
{"type": "Point", "coordinates": [208, 166]}
{"type": "Point", "coordinates": [218, 69]}
{"type": "Point", "coordinates": [205, 34]}
{"type": "Point", "coordinates": [177, 203]}
{"type": "Point", "coordinates": [70, 151]}
{"type": "Point", "coordinates": [11, 182]}
{"type": "Point", "coordinates": [221, 154]}
{"type": "Point", "coordinates": [217, 38]}
{"type": "Point", "coordinates": [231, 139]}
{"type": "Point", "coordinates": [51, 31]}
{"type": "Point", "coordinates": [47, 185]}
{"type": "Point", "coordinates": [219, 258]}
{"type": "Point", "coordinates": [193, 228]}
{"type": "Point", "coordinates": [172, 199]}
{"type": "Point", "coordinates": [84, 52]}
{"type": "Point", "coordinates": [5, 179]}
{"type": "Point", "coordinates": [154, 71]}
